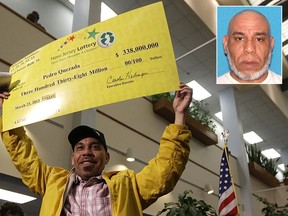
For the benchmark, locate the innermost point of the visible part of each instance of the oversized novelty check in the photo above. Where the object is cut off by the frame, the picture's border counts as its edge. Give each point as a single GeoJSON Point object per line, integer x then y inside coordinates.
{"type": "Point", "coordinates": [122, 58]}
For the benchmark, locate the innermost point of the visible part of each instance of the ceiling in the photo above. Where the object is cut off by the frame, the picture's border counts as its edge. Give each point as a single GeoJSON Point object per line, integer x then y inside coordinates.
{"type": "Point", "coordinates": [257, 111]}
{"type": "Point", "coordinates": [15, 184]}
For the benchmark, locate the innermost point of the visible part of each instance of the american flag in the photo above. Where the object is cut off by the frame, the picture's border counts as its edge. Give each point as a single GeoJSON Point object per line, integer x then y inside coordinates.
{"type": "Point", "coordinates": [227, 205]}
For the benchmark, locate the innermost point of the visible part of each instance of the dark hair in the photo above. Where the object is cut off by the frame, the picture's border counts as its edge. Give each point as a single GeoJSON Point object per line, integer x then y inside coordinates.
{"type": "Point", "coordinates": [34, 16]}
{"type": "Point", "coordinates": [12, 208]}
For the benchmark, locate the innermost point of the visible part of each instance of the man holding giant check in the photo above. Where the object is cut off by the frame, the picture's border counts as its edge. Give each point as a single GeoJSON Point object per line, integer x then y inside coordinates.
{"type": "Point", "coordinates": [109, 64]}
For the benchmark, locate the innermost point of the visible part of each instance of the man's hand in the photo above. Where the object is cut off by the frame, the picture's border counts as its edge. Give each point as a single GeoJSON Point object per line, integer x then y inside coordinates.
{"type": "Point", "coordinates": [182, 100]}
{"type": "Point", "coordinates": [3, 95]}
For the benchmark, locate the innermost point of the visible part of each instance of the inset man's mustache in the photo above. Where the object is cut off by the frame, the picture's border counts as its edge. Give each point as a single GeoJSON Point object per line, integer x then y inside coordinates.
{"type": "Point", "coordinates": [249, 77]}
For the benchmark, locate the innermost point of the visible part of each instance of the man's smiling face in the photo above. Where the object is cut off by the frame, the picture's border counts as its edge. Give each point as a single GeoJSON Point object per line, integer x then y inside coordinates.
{"type": "Point", "coordinates": [89, 158]}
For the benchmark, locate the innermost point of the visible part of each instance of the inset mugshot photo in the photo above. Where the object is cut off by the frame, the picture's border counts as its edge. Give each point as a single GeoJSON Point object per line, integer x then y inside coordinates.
{"type": "Point", "coordinates": [249, 45]}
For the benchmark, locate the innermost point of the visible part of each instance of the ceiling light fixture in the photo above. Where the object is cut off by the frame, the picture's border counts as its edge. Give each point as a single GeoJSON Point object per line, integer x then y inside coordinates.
{"type": "Point", "coordinates": [252, 138]}
{"type": "Point", "coordinates": [219, 115]}
{"type": "Point", "coordinates": [15, 197]}
{"type": "Point", "coordinates": [271, 153]}
{"type": "Point", "coordinates": [72, 2]}
{"type": "Point", "coordinates": [282, 167]}
{"type": "Point", "coordinates": [199, 93]}
{"type": "Point", "coordinates": [209, 189]}
{"type": "Point", "coordinates": [256, 2]}
{"type": "Point", "coordinates": [106, 12]}
{"type": "Point", "coordinates": [273, 2]}
{"type": "Point", "coordinates": [285, 49]}
{"type": "Point", "coordinates": [285, 30]}
{"type": "Point", "coordinates": [130, 156]}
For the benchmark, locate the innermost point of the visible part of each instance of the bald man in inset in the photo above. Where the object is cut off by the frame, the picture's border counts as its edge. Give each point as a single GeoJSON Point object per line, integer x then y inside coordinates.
{"type": "Point", "coordinates": [248, 46]}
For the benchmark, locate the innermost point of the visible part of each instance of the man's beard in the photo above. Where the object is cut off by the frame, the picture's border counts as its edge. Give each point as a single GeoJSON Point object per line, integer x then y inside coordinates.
{"type": "Point", "coordinates": [253, 76]}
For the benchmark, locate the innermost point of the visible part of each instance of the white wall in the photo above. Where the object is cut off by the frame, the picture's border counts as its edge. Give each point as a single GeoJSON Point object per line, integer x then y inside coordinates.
{"type": "Point", "coordinates": [13, 48]}
{"type": "Point", "coordinates": [55, 17]}
{"type": "Point", "coordinates": [50, 141]}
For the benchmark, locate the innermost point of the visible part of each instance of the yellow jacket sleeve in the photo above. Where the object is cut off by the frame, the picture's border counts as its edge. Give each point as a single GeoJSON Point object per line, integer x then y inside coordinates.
{"type": "Point", "coordinates": [161, 174]}
{"type": "Point", "coordinates": [24, 156]}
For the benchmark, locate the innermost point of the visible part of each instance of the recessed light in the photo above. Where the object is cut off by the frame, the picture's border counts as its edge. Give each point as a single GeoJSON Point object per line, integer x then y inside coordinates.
{"type": "Point", "coordinates": [72, 2]}
{"type": "Point", "coordinates": [273, 2]}
{"type": "Point", "coordinates": [199, 93]}
{"type": "Point", "coordinates": [284, 30]}
{"type": "Point", "coordinates": [256, 2]}
{"type": "Point", "coordinates": [252, 138]}
{"type": "Point", "coordinates": [271, 153]}
{"type": "Point", "coordinates": [285, 49]}
{"type": "Point", "coordinates": [15, 197]}
{"type": "Point", "coordinates": [106, 12]}
{"type": "Point", "coordinates": [219, 115]}
{"type": "Point", "coordinates": [282, 167]}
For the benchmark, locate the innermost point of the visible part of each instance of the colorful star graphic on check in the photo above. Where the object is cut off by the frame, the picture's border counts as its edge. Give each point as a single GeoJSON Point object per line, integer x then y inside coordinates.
{"type": "Point", "coordinates": [71, 38]}
{"type": "Point", "coordinates": [92, 34]}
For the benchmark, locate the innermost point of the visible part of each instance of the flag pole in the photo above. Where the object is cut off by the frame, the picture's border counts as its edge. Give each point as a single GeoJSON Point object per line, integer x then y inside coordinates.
{"type": "Point", "coordinates": [225, 135]}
